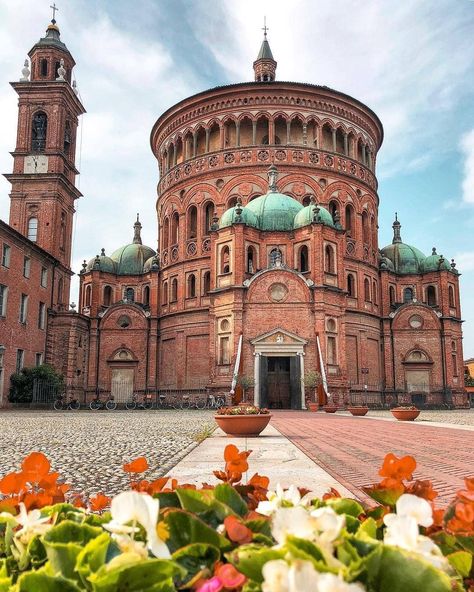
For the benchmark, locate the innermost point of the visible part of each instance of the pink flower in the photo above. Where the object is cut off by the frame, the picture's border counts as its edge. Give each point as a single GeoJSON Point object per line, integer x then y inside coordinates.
{"type": "Point", "coordinates": [212, 585]}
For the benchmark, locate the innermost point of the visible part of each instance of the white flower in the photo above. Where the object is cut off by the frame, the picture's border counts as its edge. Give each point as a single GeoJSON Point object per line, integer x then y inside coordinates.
{"type": "Point", "coordinates": [128, 545]}
{"type": "Point", "coordinates": [32, 524]}
{"type": "Point", "coordinates": [328, 524]}
{"type": "Point", "coordinates": [281, 499]}
{"type": "Point", "coordinates": [401, 531]}
{"type": "Point", "coordinates": [417, 507]}
{"type": "Point", "coordinates": [134, 507]}
{"type": "Point", "coordinates": [301, 576]}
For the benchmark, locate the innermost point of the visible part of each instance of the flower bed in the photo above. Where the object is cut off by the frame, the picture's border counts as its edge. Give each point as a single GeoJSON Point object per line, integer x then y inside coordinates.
{"type": "Point", "coordinates": [160, 536]}
{"type": "Point", "coordinates": [243, 410]}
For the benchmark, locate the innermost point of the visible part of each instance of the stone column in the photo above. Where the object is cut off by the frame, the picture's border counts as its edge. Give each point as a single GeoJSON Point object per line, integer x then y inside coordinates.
{"type": "Point", "coordinates": [346, 145]}
{"type": "Point", "coordinates": [208, 133]}
{"type": "Point", "coordinates": [195, 139]}
{"type": "Point", "coordinates": [334, 140]}
{"type": "Point", "coordinates": [237, 134]}
{"type": "Point", "coordinates": [305, 134]}
{"type": "Point", "coordinates": [303, 402]}
{"type": "Point", "coordinates": [271, 131]}
{"type": "Point", "coordinates": [256, 371]}
{"type": "Point", "coordinates": [254, 133]}
{"type": "Point", "coordinates": [288, 131]}
{"type": "Point", "coordinates": [364, 155]}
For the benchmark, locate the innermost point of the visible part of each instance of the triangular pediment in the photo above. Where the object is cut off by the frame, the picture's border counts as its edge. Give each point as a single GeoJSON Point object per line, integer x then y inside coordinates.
{"type": "Point", "coordinates": [279, 336]}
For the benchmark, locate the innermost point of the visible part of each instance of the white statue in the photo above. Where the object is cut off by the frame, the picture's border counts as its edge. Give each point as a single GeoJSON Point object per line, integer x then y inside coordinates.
{"type": "Point", "coordinates": [61, 71]}
{"type": "Point", "coordinates": [26, 72]}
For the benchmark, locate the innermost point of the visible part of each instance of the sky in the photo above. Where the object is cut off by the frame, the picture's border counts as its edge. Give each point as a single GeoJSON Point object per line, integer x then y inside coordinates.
{"type": "Point", "coordinates": [412, 62]}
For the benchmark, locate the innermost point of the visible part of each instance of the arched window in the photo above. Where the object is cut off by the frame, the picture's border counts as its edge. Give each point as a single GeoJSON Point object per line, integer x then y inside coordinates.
{"type": "Point", "coordinates": [431, 296]}
{"type": "Point", "coordinates": [107, 299]}
{"type": "Point", "coordinates": [351, 290]}
{"type": "Point", "coordinates": [166, 232]}
{"type": "Point", "coordinates": [191, 285]}
{"type": "Point", "coordinates": [276, 258]}
{"type": "Point", "coordinates": [33, 229]}
{"type": "Point", "coordinates": [332, 352]}
{"type": "Point", "coordinates": [366, 290]}
{"type": "Point", "coordinates": [44, 68]}
{"type": "Point", "coordinates": [451, 299]}
{"type": "Point", "coordinates": [251, 260]}
{"type": "Point", "coordinates": [365, 228]}
{"type": "Point", "coordinates": [60, 291]}
{"type": "Point", "coordinates": [262, 130]}
{"type": "Point", "coordinates": [304, 259]}
{"type": "Point", "coordinates": [62, 235]}
{"type": "Point", "coordinates": [130, 295]}
{"type": "Point", "coordinates": [327, 138]}
{"type": "Point", "coordinates": [174, 290]}
{"type": "Point", "coordinates": [374, 292]}
{"type": "Point", "coordinates": [39, 130]}
{"type": "Point", "coordinates": [88, 298]}
{"type": "Point", "coordinates": [206, 283]}
{"type": "Point", "coordinates": [146, 295]}
{"type": "Point", "coordinates": [329, 263]}
{"type": "Point", "coordinates": [164, 296]}
{"type": "Point", "coordinates": [175, 228]}
{"type": "Point", "coordinates": [225, 260]}
{"type": "Point", "coordinates": [232, 202]}
{"type": "Point", "coordinates": [340, 141]}
{"type": "Point", "coordinates": [67, 137]}
{"type": "Point", "coordinates": [208, 216]}
{"type": "Point", "coordinates": [350, 221]}
{"type": "Point", "coordinates": [192, 222]}
{"type": "Point", "coordinates": [407, 295]}
{"type": "Point", "coordinates": [391, 293]}
{"type": "Point", "coordinates": [306, 200]}
{"type": "Point", "coordinates": [333, 208]}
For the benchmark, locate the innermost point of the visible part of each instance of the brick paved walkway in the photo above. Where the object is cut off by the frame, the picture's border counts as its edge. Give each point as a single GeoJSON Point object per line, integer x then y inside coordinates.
{"type": "Point", "coordinates": [352, 449]}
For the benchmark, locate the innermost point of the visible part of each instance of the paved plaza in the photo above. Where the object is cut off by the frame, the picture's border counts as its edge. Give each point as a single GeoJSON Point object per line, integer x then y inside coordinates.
{"type": "Point", "coordinates": [88, 448]}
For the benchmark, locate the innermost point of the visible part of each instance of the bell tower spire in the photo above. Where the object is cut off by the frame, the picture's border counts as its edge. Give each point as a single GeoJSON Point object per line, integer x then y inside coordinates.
{"type": "Point", "coordinates": [265, 66]}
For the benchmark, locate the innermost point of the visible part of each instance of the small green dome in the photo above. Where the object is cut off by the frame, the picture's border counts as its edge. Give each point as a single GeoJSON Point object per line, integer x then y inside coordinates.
{"type": "Point", "coordinates": [130, 259]}
{"type": "Point", "coordinates": [405, 258]}
{"type": "Point", "coordinates": [246, 217]}
{"type": "Point", "coordinates": [101, 263]}
{"type": "Point", "coordinates": [435, 262]}
{"type": "Point", "coordinates": [274, 211]}
{"type": "Point", "coordinates": [151, 264]}
{"type": "Point", "coordinates": [306, 216]}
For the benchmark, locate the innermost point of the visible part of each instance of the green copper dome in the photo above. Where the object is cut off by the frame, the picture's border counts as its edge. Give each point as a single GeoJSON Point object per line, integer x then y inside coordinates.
{"type": "Point", "coordinates": [435, 262]}
{"type": "Point", "coordinates": [101, 263]}
{"type": "Point", "coordinates": [274, 211]}
{"type": "Point", "coordinates": [130, 259]}
{"type": "Point", "coordinates": [230, 217]}
{"type": "Point", "coordinates": [313, 213]}
{"type": "Point", "coordinates": [405, 258]}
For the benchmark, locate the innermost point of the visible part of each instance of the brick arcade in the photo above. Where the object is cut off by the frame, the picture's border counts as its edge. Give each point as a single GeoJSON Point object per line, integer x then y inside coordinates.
{"type": "Point", "coordinates": [267, 243]}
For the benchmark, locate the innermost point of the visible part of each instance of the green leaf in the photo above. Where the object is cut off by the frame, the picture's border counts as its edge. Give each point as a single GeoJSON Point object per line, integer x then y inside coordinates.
{"type": "Point", "coordinates": [250, 559]}
{"type": "Point", "coordinates": [43, 581]}
{"type": "Point", "coordinates": [127, 573]}
{"type": "Point", "coordinates": [369, 528]}
{"type": "Point", "coordinates": [37, 552]}
{"type": "Point", "coordinates": [168, 499]}
{"type": "Point", "coordinates": [386, 497]}
{"type": "Point", "coordinates": [352, 524]}
{"type": "Point", "coordinates": [231, 498]}
{"type": "Point", "coordinates": [308, 551]}
{"type": "Point", "coordinates": [93, 556]}
{"type": "Point", "coordinates": [259, 525]}
{"type": "Point", "coordinates": [396, 570]}
{"type": "Point", "coordinates": [64, 511]}
{"type": "Point", "coordinates": [184, 529]}
{"type": "Point", "coordinates": [462, 562]}
{"type": "Point", "coordinates": [251, 586]}
{"type": "Point", "coordinates": [258, 537]}
{"type": "Point", "coordinates": [343, 505]}
{"type": "Point", "coordinates": [204, 504]}
{"type": "Point", "coordinates": [63, 544]}
{"type": "Point", "coordinates": [197, 560]}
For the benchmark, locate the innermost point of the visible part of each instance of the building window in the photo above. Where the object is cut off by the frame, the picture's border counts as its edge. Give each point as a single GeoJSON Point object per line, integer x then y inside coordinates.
{"type": "Point", "coordinates": [350, 221]}
{"type": "Point", "coordinates": [39, 359]}
{"type": "Point", "coordinates": [366, 290]}
{"type": "Point", "coordinates": [276, 258]}
{"type": "Point", "coordinates": [44, 277]}
{"type": "Point", "coordinates": [146, 296]}
{"type": "Point", "coordinates": [62, 236]}
{"type": "Point", "coordinates": [251, 260]}
{"type": "Point", "coordinates": [351, 290]}
{"type": "Point", "coordinates": [164, 296]}
{"type": "Point", "coordinates": [39, 129]}
{"type": "Point", "coordinates": [224, 357]}
{"type": "Point", "coordinates": [42, 315]}
{"type": "Point", "coordinates": [225, 260]}
{"type": "Point", "coordinates": [365, 227]}
{"type": "Point", "coordinates": [303, 259]}
{"type": "Point", "coordinates": [208, 216]}
{"type": "Point", "coordinates": [33, 229]}
{"type": "Point", "coordinates": [207, 283]}
{"type": "Point", "coordinates": [454, 359]}
{"type": "Point", "coordinates": [88, 295]}
{"type": "Point", "coordinates": [20, 358]}
{"type": "Point", "coordinates": [374, 292]}
{"type": "Point", "coordinates": [26, 267]}
{"type": "Point", "coordinates": [3, 300]}
{"type": "Point", "coordinates": [333, 208]}
{"type": "Point", "coordinates": [407, 295]}
{"type": "Point", "coordinates": [174, 290]}
{"type": "Point", "coordinates": [175, 228]}
{"type": "Point", "coordinates": [192, 222]}
{"type": "Point", "coordinates": [67, 137]}
{"type": "Point", "coordinates": [191, 286]}
{"type": "Point", "coordinates": [129, 295]}
{"type": "Point", "coordinates": [44, 68]}
{"type": "Point", "coordinates": [23, 308]}
{"type": "Point", "coordinates": [451, 299]}
{"type": "Point", "coordinates": [329, 263]}
{"type": "Point", "coordinates": [332, 354]}
{"type": "Point", "coordinates": [391, 293]}
{"type": "Point", "coordinates": [107, 296]}
{"type": "Point", "coordinates": [431, 296]}
{"type": "Point", "coordinates": [60, 291]}
{"type": "Point", "coordinates": [6, 255]}
{"type": "Point", "coordinates": [166, 233]}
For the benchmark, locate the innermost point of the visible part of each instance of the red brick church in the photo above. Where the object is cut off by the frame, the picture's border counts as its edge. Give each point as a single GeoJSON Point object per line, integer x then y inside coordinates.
{"type": "Point", "coordinates": [267, 259]}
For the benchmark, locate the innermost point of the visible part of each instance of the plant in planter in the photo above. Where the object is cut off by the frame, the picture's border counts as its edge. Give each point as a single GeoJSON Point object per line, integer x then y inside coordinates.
{"type": "Point", "coordinates": [405, 412]}
{"type": "Point", "coordinates": [358, 410]}
{"type": "Point", "coordinates": [242, 420]}
{"type": "Point", "coordinates": [311, 380]}
{"type": "Point", "coordinates": [245, 382]}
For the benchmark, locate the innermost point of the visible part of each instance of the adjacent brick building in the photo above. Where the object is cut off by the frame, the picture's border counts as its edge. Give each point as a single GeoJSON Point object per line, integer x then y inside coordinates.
{"type": "Point", "coordinates": [267, 256]}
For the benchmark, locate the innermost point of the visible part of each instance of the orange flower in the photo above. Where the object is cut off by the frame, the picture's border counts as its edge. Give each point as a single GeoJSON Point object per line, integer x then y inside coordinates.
{"type": "Point", "coordinates": [236, 531]}
{"type": "Point", "coordinates": [230, 577]}
{"type": "Point", "coordinates": [99, 502]}
{"type": "Point", "coordinates": [397, 469]}
{"type": "Point", "coordinates": [139, 465]}
{"type": "Point", "coordinates": [259, 481]}
{"type": "Point", "coordinates": [332, 493]}
{"type": "Point", "coordinates": [12, 483]}
{"type": "Point", "coordinates": [469, 481]}
{"type": "Point", "coordinates": [236, 462]}
{"type": "Point", "coordinates": [78, 501]}
{"type": "Point", "coordinates": [422, 489]}
{"type": "Point", "coordinates": [36, 501]}
{"type": "Point", "coordinates": [35, 467]}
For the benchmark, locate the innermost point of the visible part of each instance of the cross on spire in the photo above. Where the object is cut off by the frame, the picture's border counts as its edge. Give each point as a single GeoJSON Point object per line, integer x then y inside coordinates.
{"type": "Point", "coordinates": [54, 9]}
{"type": "Point", "coordinates": [265, 28]}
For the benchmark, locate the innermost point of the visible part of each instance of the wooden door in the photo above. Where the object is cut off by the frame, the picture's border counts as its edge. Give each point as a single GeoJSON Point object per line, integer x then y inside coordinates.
{"type": "Point", "coordinates": [278, 383]}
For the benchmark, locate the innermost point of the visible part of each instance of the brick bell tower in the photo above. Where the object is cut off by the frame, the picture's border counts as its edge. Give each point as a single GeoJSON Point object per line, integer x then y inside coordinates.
{"type": "Point", "coordinates": [44, 172]}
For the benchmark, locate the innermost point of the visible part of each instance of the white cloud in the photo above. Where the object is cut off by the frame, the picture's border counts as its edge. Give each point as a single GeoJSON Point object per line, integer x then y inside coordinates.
{"type": "Point", "coordinates": [465, 261]}
{"type": "Point", "coordinates": [467, 147]}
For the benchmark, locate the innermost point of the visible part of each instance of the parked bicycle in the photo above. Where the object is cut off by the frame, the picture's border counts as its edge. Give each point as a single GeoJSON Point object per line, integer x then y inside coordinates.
{"type": "Point", "coordinates": [145, 403]}
{"type": "Point", "coordinates": [62, 403]}
{"type": "Point", "coordinates": [97, 403]}
{"type": "Point", "coordinates": [192, 402]}
{"type": "Point", "coordinates": [214, 402]}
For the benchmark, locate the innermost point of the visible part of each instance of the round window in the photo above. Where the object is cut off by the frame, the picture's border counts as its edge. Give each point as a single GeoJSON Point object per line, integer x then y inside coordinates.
{"type": "Point", "coordinates": [331, 324]}
{"type": "Point", "coordinates": [225, 325]}
{"type": "Point", "coordinates": [416, 322]}
{"type": "Point", "coordinates": [124, 321]}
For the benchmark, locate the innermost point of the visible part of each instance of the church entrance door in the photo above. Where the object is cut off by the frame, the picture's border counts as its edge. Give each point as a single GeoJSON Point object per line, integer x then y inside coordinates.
{"type": "Point", "coordinates": [122, 384]}
{"type": "Point", "coordinates": [280, 382]}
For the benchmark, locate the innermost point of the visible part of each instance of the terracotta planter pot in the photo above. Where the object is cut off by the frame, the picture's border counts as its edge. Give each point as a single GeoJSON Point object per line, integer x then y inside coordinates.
{"type": "Point", "coordinates": [405, 414]}
{"type": "Point", "coordinates": [358, 411]}
{"type": "Point", "coordinates": [243, 425]}
{"type": "Point", "coordinates": [312, 406]}
{"type": "Point", "coordinates": [330, 408]}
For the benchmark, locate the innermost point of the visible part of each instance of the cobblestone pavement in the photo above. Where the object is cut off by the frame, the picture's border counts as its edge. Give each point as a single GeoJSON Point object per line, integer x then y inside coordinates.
{"type": "Point", "coordinates": [352, 449]}
{"type": "Point", "coordinates": [88, 448]}
{"type": "Point", "coordinates": [458, 416]}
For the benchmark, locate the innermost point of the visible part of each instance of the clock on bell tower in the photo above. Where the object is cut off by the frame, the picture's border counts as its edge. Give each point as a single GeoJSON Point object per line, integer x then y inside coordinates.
{"type": "Point", "coordinates": [44, 172]}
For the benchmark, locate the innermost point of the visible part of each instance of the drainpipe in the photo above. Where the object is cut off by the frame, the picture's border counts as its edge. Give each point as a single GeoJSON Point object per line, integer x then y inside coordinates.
{"type": "Point", "coordinates": [97, 358]}
{"type": "Point", "coordinates": [392, 343]}
{"type": "Point", "coordinates": [147, 354]}
{"type": "Point", "coordinates": [443, 359]}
